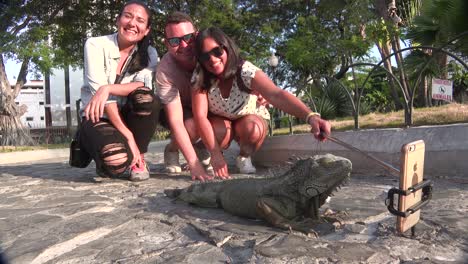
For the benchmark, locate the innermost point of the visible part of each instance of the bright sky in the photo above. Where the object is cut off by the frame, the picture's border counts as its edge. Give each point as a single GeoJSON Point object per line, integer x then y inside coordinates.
{"type": "Point", "coordinates": [57, 83]}
{"type": "Point", "coordinates": [12, 69]}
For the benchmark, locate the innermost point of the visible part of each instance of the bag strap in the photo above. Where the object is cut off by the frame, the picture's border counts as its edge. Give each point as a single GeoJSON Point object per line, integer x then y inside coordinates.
{"type": "Point", "coordinates": [240, 82]}
{"type": "Point", "coordinates": [118, 80]}
{"type": "Point", "coordinates": [127, 64]}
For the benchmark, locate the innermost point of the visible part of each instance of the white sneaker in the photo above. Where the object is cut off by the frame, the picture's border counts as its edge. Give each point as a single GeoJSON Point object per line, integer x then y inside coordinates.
{"type": "Point", "coordinates": [203, 154]}
{"type": "Point", "coordinates": [209, 170]}
{"type": "Point", "coordinates": [245, 165]}
{"type": "Point", "coordinates": [171, 160]}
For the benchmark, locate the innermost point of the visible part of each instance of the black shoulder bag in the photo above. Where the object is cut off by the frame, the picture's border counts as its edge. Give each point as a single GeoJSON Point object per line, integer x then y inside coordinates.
{"type": "Point", "coordinates": [79, 157]}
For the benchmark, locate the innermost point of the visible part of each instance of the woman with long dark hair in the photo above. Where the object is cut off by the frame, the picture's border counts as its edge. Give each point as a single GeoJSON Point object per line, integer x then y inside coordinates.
{"type": "Point", "coordinates": [224, 101]}
{"type": "Point", "coordinates": [119, 108]}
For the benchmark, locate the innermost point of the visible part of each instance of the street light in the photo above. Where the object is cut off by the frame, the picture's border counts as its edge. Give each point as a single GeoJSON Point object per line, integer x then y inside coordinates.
{"type": "Point", "coordinates": [273, 62]}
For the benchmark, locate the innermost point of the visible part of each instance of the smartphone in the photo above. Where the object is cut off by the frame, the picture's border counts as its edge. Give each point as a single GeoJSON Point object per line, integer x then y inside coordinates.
{"type": "Point", "coordinates": [411, 173]}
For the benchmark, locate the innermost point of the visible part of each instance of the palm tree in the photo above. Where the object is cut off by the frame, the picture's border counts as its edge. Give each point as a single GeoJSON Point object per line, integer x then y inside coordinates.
{"type": "Point", "coordinates": [419, 62]}
{"type": "Point", "coordinates": [392, 17]}
{"type": "Point", "coordinates": [440, 21]}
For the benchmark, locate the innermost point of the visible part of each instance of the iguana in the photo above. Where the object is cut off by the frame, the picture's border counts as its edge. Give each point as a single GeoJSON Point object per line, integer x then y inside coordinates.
{"type": "Point", "coordinates": [283, 201]}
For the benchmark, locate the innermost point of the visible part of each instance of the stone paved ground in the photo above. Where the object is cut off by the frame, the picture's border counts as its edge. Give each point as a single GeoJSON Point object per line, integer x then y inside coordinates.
{"type": "Point", "coordinates": [51, 213]}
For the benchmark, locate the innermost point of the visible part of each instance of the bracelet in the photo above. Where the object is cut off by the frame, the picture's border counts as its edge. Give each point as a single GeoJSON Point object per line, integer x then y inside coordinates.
{"type": "Point", "coordinates": [311, 114]}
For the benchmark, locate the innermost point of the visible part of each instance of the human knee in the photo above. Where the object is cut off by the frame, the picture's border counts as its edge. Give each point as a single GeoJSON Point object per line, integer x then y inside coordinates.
{"type": "Point", "coordinates": [142, 101]}
{"type": "Point", "coordinates": [223, 131]}
{"type": "Point", "coordinates": [115, 158]}
{"type": "Point", "coordinates": [250, 132]}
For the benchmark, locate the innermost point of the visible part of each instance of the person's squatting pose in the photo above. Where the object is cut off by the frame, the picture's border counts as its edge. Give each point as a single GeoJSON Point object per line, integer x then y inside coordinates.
{"type": "Point", "coordinates": [173, 81]}
{"type": "Point", "coordinates": [120, 119]}
{"type": "Point", "coordinates": [224, 102]}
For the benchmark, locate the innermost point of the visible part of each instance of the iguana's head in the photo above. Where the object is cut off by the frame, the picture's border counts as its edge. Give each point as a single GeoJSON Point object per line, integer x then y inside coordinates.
{"type": "Point", "coordinates": [322, 174]}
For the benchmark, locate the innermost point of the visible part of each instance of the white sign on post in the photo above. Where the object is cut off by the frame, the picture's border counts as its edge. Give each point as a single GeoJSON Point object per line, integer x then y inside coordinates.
{"type": "Point", "coordinates": [442, 89]}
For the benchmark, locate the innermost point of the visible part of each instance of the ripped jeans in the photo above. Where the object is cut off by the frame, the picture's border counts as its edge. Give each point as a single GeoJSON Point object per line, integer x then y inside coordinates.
{"type": "Point", "coordinates": [108, 147]}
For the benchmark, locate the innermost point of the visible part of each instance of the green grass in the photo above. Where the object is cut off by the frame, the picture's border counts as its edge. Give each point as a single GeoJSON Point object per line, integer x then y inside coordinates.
{"type": "Point", "coordinates": [441, 115]}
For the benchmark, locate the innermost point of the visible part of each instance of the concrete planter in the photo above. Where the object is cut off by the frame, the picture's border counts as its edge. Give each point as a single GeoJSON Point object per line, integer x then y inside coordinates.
{"type": "Point", "coordinates": [446, 148]}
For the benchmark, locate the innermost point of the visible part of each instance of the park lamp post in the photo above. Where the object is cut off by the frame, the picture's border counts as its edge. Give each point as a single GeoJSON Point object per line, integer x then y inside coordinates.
{"type": "Point", "coordinates": [273, 62]}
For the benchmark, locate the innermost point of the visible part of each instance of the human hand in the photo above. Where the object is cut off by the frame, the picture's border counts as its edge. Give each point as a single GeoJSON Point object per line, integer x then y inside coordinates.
{"type": "Point", "coordinates": [198, 172]}
{"type": "Point", "coordinates": [320, 128]}
{"type": "Point", "coordinates": [219, 166]}
{"type": "Point", "coordinates": [261, 100]}
{"type": "Point", "coordinates": [95, 107]}
{"type": "Point", "coordinates": [135, 152]}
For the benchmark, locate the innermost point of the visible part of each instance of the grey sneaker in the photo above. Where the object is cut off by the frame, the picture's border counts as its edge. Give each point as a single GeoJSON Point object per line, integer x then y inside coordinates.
{"type": "Point", "coordinates": [203, 154]}
{"type": "Point", "coordinates": [139, 173]}
{"type": "Point", "coordinates": [171, 160]}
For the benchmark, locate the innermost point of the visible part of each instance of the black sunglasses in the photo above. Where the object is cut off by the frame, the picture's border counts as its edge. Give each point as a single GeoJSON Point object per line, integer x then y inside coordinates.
{"type": "Point", "coordinates": [175, 41]}
{"type": "Point", "coordinates": [217, 52]}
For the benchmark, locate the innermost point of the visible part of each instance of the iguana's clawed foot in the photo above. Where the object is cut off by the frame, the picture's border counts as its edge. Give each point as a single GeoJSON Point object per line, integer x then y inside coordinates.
{"type": "Point", "coordinates": [271, 216]}
{"type": "Point", "coordinates": [306, 227]}
{"type": "Point", "coordinates": [335, 218]}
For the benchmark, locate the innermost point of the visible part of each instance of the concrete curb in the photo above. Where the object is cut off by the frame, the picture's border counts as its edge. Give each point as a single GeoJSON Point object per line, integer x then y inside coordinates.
{"type": "Point", "coordinates": [446, 148]}
{"type": "Point", "coordinates": [8, 158]}
{"type": "Point", "coordinates": [32, 155]}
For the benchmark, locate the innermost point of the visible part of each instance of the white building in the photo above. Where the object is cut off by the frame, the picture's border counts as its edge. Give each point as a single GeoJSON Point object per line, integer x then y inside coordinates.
{"type": "Point", "coordinates": [33, 96]}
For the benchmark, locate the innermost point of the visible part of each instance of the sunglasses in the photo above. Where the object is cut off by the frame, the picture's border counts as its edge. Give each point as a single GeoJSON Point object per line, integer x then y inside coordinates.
{"type": "Point", "coordinates": [175, 41]}
{"type": "Point", "coordinates": [217, 52]}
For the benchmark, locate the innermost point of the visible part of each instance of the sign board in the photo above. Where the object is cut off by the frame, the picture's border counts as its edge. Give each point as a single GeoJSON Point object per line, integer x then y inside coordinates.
{"type": "Point", "coordinates": [441, 89]}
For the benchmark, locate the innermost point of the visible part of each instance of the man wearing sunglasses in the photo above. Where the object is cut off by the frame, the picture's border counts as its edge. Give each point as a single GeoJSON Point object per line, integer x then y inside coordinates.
{"type": "Point", "coordinates": [173, 80]}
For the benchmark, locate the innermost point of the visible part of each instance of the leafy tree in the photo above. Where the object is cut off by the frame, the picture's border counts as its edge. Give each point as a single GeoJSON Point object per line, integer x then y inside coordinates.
{"type": "Point", "coordinates": [25, 26]}
{"type": "Point", "coordinates": [378, 94]}
{"type": "Point", "coordinates": [419, 62]}
{"type": "Point", "coordinates": [323, 38]}
{"type": "Point", "coordinates": [42, 35]}
{"type": "Point", "coordinates": [439, 22]}
{"type": "Point", "coordinates": [385, 32]}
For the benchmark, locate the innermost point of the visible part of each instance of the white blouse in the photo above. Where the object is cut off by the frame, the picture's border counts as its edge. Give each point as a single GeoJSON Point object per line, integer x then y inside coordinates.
{"type": "Point", "coordinates": [239, 103]}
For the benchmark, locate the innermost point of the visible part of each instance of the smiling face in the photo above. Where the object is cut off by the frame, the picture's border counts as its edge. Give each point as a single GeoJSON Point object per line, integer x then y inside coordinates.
{"type": "Point", "coordinates": [132, 25]}
{"type": "Point", "coordinates": [213, 63]}
{"type": "Point", "coordinates": [183, 53]}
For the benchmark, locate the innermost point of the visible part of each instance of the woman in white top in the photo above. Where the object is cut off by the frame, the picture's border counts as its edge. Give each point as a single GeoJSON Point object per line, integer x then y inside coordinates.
{"type": "Point", "coordinates": [224, 102]}
{"type": "Point", "coordinates": [119, 119]}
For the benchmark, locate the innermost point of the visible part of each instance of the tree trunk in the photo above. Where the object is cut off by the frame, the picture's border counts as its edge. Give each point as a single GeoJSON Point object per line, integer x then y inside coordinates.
{"type": "Point", "coordinates": [385, 49]}
{"type": "Point", "coordinates": [387, 10]}
{"type": "Point", "coordinates": [48, 112]}
{"type": "Point", "coordinates": [429, 91]}
{"type": "Point", "coordinates": [12, 131]}
{"type": "Point", "coordinates": [423, 92]}
{"type": "Point", "coordinates": [67, 99]}
{"type": "Point", "coordinates": [442, 59]}
{"type": "Point", "coordinates": [399, 60]}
